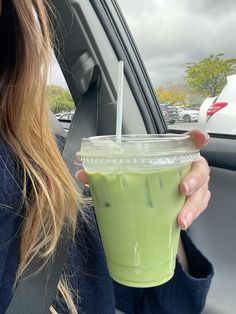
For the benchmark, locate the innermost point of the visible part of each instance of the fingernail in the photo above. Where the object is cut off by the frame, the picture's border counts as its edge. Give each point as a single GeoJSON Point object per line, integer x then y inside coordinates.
{"type": "Point", "coordinates": [207, 136]}
{"type": "Point", "coordinates": [190, 186]}
{"type": "Point", "coordinates": [187, 220]}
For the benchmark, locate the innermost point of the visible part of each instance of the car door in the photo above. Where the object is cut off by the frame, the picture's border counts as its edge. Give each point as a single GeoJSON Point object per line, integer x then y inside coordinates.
{"type": "Point", "coordinates": [94, 33]}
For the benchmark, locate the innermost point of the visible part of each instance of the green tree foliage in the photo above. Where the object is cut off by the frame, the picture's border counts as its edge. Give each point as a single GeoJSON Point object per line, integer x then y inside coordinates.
{"type": "Point", "coordinates": [172, 94]}
{"type": "Point", "coordinates": [209, 76]}
{"type": "Point", "coordinates": [59, 99]}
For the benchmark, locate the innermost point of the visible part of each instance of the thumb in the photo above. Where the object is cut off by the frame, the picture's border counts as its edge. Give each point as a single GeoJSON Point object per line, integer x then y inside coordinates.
{"type": "Point", "coordinates": [82, 176]}
{"type": "Point", "coordinates": [199, 137]}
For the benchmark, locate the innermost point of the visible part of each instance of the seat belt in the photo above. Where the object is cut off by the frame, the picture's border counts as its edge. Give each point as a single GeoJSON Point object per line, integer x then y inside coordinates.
{"type": "Point", "coordinates": [36, 290]}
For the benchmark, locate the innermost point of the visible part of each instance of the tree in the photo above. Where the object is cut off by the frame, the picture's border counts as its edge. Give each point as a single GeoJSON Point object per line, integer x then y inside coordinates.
{"type": "Point", "coordinates": [59, 99]}
{"type": "Point", "coordinates": [172, 94]}
{"type": "Point", "coordinates": [209, 76]}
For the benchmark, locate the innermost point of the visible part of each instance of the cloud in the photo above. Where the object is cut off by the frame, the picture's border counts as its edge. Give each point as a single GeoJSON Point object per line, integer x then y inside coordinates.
{"type": "Point", "coordinates": [170, 34]}
{"type": "Point", "coordinates": [132, 8]}
{"type": "Point", "coordinates": [210, 7]}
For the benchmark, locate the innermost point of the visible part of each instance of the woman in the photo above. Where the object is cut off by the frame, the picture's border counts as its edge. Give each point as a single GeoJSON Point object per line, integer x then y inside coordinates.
{"type": "Point", "coordinates": [37, 193]}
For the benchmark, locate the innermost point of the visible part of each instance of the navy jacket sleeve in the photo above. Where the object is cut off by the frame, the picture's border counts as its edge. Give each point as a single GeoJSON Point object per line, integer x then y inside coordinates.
{"type": "Point", "coordinates": [185, 293]}
{"type": "Point", "coordinates": [10, 222]}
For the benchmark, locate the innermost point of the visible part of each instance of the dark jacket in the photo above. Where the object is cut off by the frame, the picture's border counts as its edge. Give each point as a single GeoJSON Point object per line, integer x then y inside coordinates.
{"type": "Point", "coordinates": [86, 266]}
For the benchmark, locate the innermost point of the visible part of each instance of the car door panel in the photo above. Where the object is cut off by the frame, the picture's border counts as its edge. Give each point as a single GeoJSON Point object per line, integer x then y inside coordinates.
{"type": "Point", "coordinates": [221, 152]}
{"type": "Point", "coordinates": [215, 233]}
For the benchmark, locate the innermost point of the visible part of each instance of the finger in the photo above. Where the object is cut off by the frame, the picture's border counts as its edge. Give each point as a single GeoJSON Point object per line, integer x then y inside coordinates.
{"type": "Point", "coordinates": [82, 176]}
{"type": "Point", "coordinates": [198, 175]}
{"type": "Point", "coordinates": [206, 200]}
{"type": "Point", "coordinates": [193, 207]}
{"type": "Point", "coordinates": [200, 138]}
{"type": "Point", "coordinates": [185, 220]}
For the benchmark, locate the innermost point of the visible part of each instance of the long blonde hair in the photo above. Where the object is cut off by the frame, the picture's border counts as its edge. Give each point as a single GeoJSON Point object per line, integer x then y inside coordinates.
{"type": "Point", "coordinates": [24, 126]}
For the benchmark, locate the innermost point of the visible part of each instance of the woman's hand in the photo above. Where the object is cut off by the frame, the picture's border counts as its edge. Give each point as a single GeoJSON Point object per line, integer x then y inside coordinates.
{"type": "Point", "coordinates": [82, 176]}
{"type": "Point", "coordinates": [194, 185]}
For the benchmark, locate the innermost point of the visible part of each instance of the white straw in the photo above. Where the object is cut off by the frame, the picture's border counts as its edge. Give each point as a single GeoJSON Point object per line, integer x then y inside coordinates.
{"type": "Point", "coordinates": [119, 108]}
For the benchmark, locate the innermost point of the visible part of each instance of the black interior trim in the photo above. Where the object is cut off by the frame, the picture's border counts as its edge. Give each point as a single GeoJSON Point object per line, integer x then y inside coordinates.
{"type": "Point", "coordinates": [212, 135]}
{"type": "Point", "coordinates": [222, 136]}
{"type": "Point", "coordinates": [220, 152]}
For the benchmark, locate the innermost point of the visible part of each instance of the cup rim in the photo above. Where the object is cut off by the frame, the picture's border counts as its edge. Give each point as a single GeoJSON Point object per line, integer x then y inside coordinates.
{"type": "Point", "coordinates": [138, 148]}
{"type": "Point", "coordinates": [138, 137]}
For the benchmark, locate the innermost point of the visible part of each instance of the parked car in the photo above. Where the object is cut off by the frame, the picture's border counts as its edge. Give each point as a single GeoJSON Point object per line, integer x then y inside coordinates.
{"type": "Point", "coordinates": [65, 119]}
{"type": "Point", "coordinates": [194, 107]}
{"type": "Point", "coordinates": [187, 115]}
{"type": "Point", "coordinates": [218, 114]}
{"type": "Point", "coordinates": [57, 115]}
{"type": "Point", "coordinates": [65, 116]}
{"type": "Point", "coordinates": [170, 113]}
{"type": "Point", "coordinates": [202, 117]}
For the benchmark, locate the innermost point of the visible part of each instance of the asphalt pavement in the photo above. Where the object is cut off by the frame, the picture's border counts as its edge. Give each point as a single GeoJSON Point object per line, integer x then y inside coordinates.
{"type": "Point", "coordinates": [183, 126]}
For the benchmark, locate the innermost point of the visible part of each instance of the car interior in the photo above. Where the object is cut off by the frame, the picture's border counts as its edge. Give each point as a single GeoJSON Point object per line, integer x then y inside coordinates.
{"type": "Point", "coordinates": [91, 37]}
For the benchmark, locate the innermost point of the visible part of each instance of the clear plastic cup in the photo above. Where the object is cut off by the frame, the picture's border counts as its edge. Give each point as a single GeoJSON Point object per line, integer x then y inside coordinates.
{"type": "Point", "coordinates": [134, 185]}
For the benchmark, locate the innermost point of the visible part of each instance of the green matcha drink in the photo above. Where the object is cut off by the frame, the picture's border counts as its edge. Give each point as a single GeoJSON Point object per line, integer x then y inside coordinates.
{"type": "Point", "coordinates": [135, 189]}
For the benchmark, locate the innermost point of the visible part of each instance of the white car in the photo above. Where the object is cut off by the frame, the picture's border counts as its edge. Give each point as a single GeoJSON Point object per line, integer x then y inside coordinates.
{"type": "Point", "coordinates": [67, 116]}
{"type": "Point", "coordinates": [218, 114]}
{"type": "Point", "coordinates": [202, 117]}
{"type": "Point", "coordinates": [187, 115]}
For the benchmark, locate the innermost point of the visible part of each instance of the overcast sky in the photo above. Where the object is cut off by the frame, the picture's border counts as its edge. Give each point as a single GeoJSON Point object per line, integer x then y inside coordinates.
{"type": "Point", "coordinates": [170, 33]}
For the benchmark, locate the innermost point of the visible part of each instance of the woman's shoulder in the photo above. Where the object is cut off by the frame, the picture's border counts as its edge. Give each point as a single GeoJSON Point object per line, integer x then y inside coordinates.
{"type": "Point", "coordinates": [7, 155]}
{"type": "Point", "coordinates": [10, 221]}
{"type": "Point", "coordinates": [11, 179]}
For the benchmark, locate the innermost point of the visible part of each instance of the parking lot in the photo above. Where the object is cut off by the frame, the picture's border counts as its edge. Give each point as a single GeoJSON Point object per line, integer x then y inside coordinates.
{"type": "Point", "coordinates": [183, 126]}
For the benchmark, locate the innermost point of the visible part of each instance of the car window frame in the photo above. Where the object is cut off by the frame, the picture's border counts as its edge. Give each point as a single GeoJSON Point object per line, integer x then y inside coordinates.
{"type": "Point", "coordinates": [120, 36]}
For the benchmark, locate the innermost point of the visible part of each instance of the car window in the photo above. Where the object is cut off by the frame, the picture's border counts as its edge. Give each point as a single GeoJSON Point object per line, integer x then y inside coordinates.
{"type": "Point", "coordinates": [58, 95]}
{"type": "Point", "coordinates": [189, 51]}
